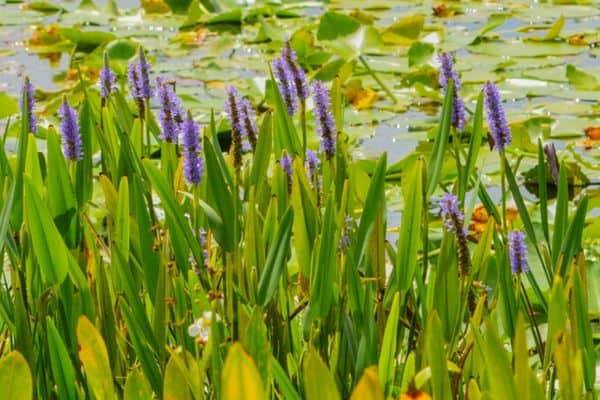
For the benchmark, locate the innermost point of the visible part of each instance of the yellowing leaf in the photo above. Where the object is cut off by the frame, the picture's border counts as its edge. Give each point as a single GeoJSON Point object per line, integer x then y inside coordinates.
{"type": "Point", "coordinates": [240, 379]}
{"type": "Point", "coordinates": [556, 28]}
{"type": "Point", "coordinates": [94, 357]}
{"type": "Point", "coordinates": [15, 377]}
{"type": "Point", "coordinates": [415, 395]}
{"type": "Point", "coordinates": [368, 388]}
{"type": "Point", "coordinates": [155, 7]}
{"type": "Point", "coordinates": [364, 99]}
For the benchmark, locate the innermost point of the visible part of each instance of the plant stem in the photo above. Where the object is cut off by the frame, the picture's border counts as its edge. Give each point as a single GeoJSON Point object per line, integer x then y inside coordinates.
{"type": "Point", "coordinates": [379, 81]}
{"type": "Point", "coordinates": [536, 331]}
{"type": "Point", "coordinates": [303, 124]}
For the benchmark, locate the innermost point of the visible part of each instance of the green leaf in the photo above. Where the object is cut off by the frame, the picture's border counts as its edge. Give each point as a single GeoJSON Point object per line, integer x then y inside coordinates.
{"type": "Point", "coordinates": [419, 53]}
{"type": "Point", "coordinates": [318, 381]}
{"type": "Point", "coordinates": [8, 105]}
{"type": "Point", "coordinates": [387, 355]}
{"type": "Point", "coordinates": [178, 6]}
{"type": "Point", "coordinates": [276, 260]}
{"type": "Point", "coordinates": [498, 366]}
{"type": "Point", "coordinates": [175, 386]}
{"type": "Point", "coordinates": [50, 249]}
{"type": "Point", "coordinates": [436, 160]}
{"type": "Point", "coordinates": [86, 41]}
{"type": "Point", "coordinates": [61, 197]}
{"type": "Point", "coordinates": [137, 387]}
{"type": "Point", "coordinates": [177, 225]}
{"type": "Point", "coordinates": [408, 27]}
{"type": "Point", "coordinates": [15, 377]}
{"type": "Point", "coordinates": [581, 79]}
{"type": "Point", "coordinates": [436, 356]}
{"type": "Point", "coordinates": [410, 231]}
{"type": "Point", "coordinates": [334, 25]}
{"type": "Point", "coordinates": [94, 359]}
{"type": "Point", "coordinates": [62, 367]}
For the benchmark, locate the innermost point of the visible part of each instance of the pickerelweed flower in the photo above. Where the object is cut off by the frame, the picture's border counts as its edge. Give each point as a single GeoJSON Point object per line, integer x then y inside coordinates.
{"type": "Point", "coordinates": [299, 76]}
{"type": "Point", "coordinates": [312, 165]}
{"type": "Point", "coordinates": [286, 164]}
{"type": "Point", "coordinates": [496, 117]}
{"type": "Point", "coordinates": [29, 90]}
{"type": "Point", "coordinates": [107, 80]}
{"type": "Point", "coordinates": [69, 127]}
{"type": "Point", "coordinates": [285, 83]}
{"type": "Point", "coordinates": [144, 75]}
{"type": "Point", "coordinates": [454, 223]}
{"type": "Point", "coordinates": [518, 252]}
{"type": "Point", "coordinates": [235, 115]}
{"type": "Point", "coordinates": [170, 113]}
{"type": "Point", "coordinates": [135, 89]}
{"type": "Point", "coordinates": [447, 74]}
{"type": "Point", "coordinates": [193, 165]}
{"type": "Point", "coordinates": [138, 77]}
{"type": "Point", "coordinates": [324, 119]}
{"type": "Point", "coordinates": [249, 123]}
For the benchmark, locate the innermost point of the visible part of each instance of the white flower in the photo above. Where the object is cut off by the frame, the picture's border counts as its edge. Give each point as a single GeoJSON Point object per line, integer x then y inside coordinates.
{"type": "Point", "coordinates": [200, 329]}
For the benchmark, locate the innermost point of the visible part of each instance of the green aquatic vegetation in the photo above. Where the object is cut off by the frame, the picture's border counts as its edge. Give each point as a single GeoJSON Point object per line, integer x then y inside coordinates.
{"type": "Point", "coordinates": [228, 241]}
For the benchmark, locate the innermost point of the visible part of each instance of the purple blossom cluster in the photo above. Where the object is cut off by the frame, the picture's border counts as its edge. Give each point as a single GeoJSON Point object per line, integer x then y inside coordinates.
{"type": "Point", "coordinates": [451, 215]}
{"type": "Point", "coordinates": [291, 78]}
{"type": "Point", "coordinates": [69, 127]}
{"type": "Point", "coordinates": [138, 77]}
{"type": "Point", "coordinates": [249, 122]}
{"type": "Point", "coordinates": [28, 90]}
{"type": "Point", "coordinates": [448, 74]}
{"type": "Point", "coordinates": [517, 252]}
{"type": "Point", "coordinates": [324, 119]}
{"type": "Point", "coordinates": [243, 129]}
{"type": "Point", "coordinates": [170, 113]}
{"type": "Point", "coordinates": [193, 164]}
{"type": "Point", "coordinates": [107, 79]}
{"type": "Point", "coordinates": [496, 117]}
{"type": "Point", "coordinates": [312, 165]}
{"type": "Point", "coordinates": [453, 220]}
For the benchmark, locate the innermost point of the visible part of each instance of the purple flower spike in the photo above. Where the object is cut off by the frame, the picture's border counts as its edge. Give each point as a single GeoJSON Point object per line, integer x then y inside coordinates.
{"type": "Point", "coordinates": [69, 128]}
{"type": "Point", "coordinates": [29, 90]}
{"type": "Point", "coordinates": [517, 252]}
{"type": "Point", "coordinates": [324, 119]}
{"type": "Point", "coordinates": [235, 115]}
{"type": "Point", "coordinates": [144, 75]}
{"type": "Point", "coordinates": [299, 76]}
{"type": "Point", "coordinates": [447, 74]}
{"type": "Point", "coordinates": [170, 114]}
{"type": "Point", "coordinates": [451, 215]}
{"type": "Point", "coordinates": [193, 165]}
{"type": "Point", "coordinates": [285, 83]}
{"type": "Point", "coordinates": [107, 79]}
{"type": "Point", "coordinates": [249, 123]}
{"type": "Point", "coordinates": [496, 117]}
{"type": "Point", "coordinates": [453, 222]}
{"type": "Point", "coordinates": [312, 165]}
